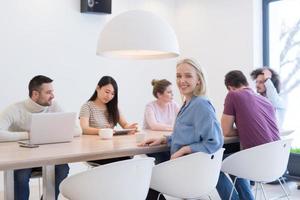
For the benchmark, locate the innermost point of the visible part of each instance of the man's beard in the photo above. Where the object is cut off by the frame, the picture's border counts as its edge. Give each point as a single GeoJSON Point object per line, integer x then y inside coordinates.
{"type": "Point", "coordinates": [48, 103]}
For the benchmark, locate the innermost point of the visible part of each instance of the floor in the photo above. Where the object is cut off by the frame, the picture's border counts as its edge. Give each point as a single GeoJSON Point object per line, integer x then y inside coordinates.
{"type": "Point", "coordinates": [273, 191]}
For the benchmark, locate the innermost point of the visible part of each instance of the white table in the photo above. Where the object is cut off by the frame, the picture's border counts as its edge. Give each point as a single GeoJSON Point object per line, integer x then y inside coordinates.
{"type": "Point", "coordinates": [84, 148]}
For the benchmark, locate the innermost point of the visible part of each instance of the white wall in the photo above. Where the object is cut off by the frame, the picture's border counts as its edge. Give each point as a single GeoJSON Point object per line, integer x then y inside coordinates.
{"type": "Point", "coordinates": [53, 38]}
{"type": "Point", "coordinates": [222, 36]}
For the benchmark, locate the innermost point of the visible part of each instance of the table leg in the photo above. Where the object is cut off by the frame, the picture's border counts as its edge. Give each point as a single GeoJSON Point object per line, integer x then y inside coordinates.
{"type": "Point", "coordinates": [49, 182]}
{"type": "Point", "coordinates": [8, 184]}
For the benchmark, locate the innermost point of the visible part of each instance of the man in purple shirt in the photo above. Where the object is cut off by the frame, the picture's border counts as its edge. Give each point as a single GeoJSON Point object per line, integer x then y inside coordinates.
{"type": "Point", "coordinates": [255, 120]}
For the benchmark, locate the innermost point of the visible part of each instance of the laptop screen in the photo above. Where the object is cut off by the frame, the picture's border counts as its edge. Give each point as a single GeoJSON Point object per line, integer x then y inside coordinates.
{"type": "Point", "coordinates": [52, 127]}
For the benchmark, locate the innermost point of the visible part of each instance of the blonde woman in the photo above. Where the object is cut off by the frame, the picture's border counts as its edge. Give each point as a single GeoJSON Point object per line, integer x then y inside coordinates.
{"type": "Point", "coordinates": [196, 127]}
{"type": "Point", "coordinates": [160, 114]}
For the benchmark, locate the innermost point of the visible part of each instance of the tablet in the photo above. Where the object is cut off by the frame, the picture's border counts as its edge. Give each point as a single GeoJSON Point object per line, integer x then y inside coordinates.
{"type": "Point", "coordinates": [123, 131]}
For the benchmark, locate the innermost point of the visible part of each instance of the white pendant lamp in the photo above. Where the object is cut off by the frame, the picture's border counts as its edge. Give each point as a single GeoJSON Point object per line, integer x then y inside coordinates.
{"type": "Point", "coordinates": [138, 34]}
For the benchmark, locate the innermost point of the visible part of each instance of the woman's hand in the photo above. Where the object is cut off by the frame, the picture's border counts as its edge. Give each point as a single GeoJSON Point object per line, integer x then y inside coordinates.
{"type": "Point", "coordinates": [181, 152]}
{"type": "Point", "coordinates": [132, 126]}
{"type": "Point", "coordinates": [153, 142]}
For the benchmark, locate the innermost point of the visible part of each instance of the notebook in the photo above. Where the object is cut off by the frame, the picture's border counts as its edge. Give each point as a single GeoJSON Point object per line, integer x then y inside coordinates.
{"type": "Point", "coordinates": [47, 128]}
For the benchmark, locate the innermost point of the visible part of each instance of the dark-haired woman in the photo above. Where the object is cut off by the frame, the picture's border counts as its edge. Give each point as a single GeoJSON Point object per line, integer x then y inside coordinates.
{"type": "Point", "coordinates": [101, 110]}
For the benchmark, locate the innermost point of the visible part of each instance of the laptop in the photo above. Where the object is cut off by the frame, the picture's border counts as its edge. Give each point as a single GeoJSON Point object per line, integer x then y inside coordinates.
{"type": "Point", "coordinates": [47, 128]}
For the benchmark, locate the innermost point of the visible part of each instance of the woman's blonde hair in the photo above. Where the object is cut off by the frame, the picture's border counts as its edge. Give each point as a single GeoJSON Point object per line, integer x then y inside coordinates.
{"type": "Point", "coordinates": [200, 89]}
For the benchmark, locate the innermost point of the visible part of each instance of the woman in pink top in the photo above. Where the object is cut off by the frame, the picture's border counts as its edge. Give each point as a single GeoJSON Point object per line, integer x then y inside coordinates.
{"type": "Point", "coordinates": [160, 114]}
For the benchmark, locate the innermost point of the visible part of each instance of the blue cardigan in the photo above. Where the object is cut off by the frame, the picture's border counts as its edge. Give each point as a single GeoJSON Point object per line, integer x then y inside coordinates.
{"type": "Point", "coordinates": [196, 126]}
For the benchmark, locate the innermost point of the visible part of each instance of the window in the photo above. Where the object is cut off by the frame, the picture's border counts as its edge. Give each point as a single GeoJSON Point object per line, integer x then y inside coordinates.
{"type": "Point", "coordinates": [281, 35]}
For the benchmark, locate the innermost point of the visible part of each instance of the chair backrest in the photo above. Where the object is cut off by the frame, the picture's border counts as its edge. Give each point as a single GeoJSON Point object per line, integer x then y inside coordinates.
{"type": "Point", "coordinates": [286, 132]}
{"type": "Point", "coordinates": [188, 177]}
{"type": "Point", "coordinates": [129, 179]}
{"type": "Point", "coordinates": [263, 163]}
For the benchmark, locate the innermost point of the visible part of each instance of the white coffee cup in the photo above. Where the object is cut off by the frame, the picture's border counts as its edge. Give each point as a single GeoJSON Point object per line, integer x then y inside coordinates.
{"type": "Point", "coordinates": [106, 133]}
{"type": "Point", "coordinates": [140, 137]}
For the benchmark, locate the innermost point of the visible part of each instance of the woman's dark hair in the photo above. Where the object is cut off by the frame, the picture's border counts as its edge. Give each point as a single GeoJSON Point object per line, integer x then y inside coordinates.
{"type": "Point", "coordinates": [274, 78]}
{"type": "Point", "coordinates": [236, 79]}
{"type": "Point", "coordinates": [159, 86]}
{"type": "Point", "coordinates": [112, 105]}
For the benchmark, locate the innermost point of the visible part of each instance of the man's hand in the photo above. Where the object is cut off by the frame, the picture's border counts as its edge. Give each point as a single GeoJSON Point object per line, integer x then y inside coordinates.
{"type": "Point", "coordinates": [267, 74]}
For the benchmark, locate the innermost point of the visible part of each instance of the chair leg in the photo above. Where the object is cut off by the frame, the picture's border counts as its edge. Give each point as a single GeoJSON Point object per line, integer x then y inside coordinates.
{"type": "Point", "coordinates": [39, 180]}
{"type": "Point", "coordinates": [263, 191]}
{"type": "Point", "coordinates": [288, 188]}
{"type": "Point", "coordinates": [256, 188]}
{"type": "Point", "coordinates": [233, 188]}
{"type": "Point", "coordinates": [159, 195]}
{"type": "Point", "coordinates": [285, 192]}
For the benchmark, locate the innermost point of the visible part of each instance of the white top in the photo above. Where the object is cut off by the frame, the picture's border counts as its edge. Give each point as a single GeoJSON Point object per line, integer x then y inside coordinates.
{"type": "Point", "coordinates": [157, 118]}
{"type": "Point", "coordinates": [15, 120]}
{"type": "Point", "coordinates": [277, 102]}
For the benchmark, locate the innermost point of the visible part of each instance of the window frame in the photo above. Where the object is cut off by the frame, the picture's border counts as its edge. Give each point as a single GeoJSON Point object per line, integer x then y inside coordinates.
{"type": "Point", "coordinates": [266, 40]}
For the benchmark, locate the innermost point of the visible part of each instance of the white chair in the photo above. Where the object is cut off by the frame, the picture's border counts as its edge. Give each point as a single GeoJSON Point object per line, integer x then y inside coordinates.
{"type": "Point", "coordinates": [261, 164]}
{"type": "Point", "coordinates": [188, 177]}
{"type": "Point", "coordinates": [284, 133]}
{"type": "Point", "coordinates": [128, 179]}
